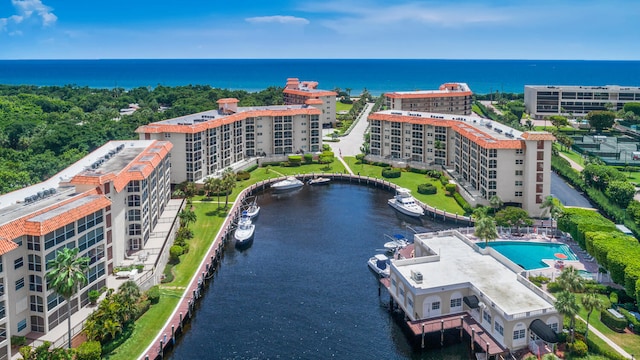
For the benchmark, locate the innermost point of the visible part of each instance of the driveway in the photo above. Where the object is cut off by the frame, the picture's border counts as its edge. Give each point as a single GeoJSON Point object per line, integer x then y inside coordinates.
{"type": "Point", "coordinates": [567, 195]}
{"type": "Point", "coordinates": [349, 145]}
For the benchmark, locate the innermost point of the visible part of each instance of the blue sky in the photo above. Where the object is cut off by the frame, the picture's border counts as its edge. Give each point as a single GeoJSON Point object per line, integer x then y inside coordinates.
{"type": "Point", "coordinates": [449, 29]}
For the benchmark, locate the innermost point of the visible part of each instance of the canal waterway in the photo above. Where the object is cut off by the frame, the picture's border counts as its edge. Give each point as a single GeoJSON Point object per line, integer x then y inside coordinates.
{"type": "Point", "coordinates": [303, 289]}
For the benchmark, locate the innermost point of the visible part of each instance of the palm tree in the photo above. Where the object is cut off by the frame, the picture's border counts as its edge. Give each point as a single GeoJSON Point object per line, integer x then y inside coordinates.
{"type": "Point", "coordinates": [485, 229]}
{"type": "Point", "coordinates": [591, 301]}
{"type": "Point", "coordinates": [566, 305]}
{"type": "Point", "coordinates": [128, 296]}
{"type": "Point", "coordinates": [66, 275]}
{"type": "Point", "coordinates": [209, 186]}
{"type": "Point", "coordinates": [495, 202]}
{"type": "Point", "coordinates": [570, 280]}
{"type": "Point", "coordinates": [112, 328]}
{"type": "Point", "coordinates": [187, 216]}
{"type": "Point", "coordinates": [550, 206]}
{"type": "Point", "coordinates": [228, 183]}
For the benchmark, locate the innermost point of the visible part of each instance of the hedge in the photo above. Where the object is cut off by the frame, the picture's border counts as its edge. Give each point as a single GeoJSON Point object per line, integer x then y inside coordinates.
{"type": "Point", "coordinates": [427, 189]}
{"type": "Point", "coordinates": [631, 319]}
{"type": "Point", "coordinates": [243, 175]}
{"type": "Point", "coordinates": [463, 203]}
{"type": "Point", "coordinates": [605, 350]}
{"type": "Point", "coordinates": [295, 158]}
{"type": "Point", "coordinates": [613, 322]}
{"type": "Point", "coordinates": [390, 173]}
{"type": "Point", "coordinates": [89, 350]}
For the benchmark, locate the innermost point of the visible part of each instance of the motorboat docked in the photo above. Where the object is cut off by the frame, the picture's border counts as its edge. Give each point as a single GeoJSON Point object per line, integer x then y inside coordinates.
{"type": "Point", "coordinates": [395, 243]}
{"type": "Point", "coordinates": [319, 181]}
{"type": "Point", "coordinates": [244, 232]}
{"type": "Point", "coordinates": [289, 183]}
{"type": "Point", "coordinates": [405, 203]}
{"type": "Point", "coordinates": [379, 264]}
{"type": "Point", "coordinates": [253, 210]}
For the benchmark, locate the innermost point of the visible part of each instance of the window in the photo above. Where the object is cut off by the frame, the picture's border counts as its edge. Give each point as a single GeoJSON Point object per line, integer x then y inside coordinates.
{"type": "Point", "coordinates": [519, 161]}
{"type": "Point", "coordinates": [518, 182]}
{"type": "Point", "coordinates": [435, 305]}
{"type": "Point", "coordinates": [135, 229]}
{"type": "Point", "coordinates": [36, 303]}
{"type": "Point", "coordinates": [35, 262]}
{"type": "Point", "coordinates": [133, 200]}
{"type": "Point", "coordinates": [18, 263]}
{"type": "Point", "coordinates": [554, 326]}
{"type": "Point", "coordinates": [518, 334]}
{"type": "Point", "coordinates": [486, 316]}
{"type": "Point", "coordinates": [518, 194]}
{"type": "Point", "coordinates": [19, 284]}
{"type": "Point", "coordinates": [519, 151]}
{"type": "Point", "coordinates": [519, 172]}
{"type": "Point", "coordinates": [37, 324]}
{"type": "Point", "coordinates": [33, 243]}
{"type": "Point", "coordinates": [498, 327]}
{"type": "Point", "coordinates": [22, 324]}
{"type": "Point", "coordinates": [35, 283]}
{"type": "Point", "coordinates": [456, 302]}
{"type": "Point", "coordinates": [134, 215]}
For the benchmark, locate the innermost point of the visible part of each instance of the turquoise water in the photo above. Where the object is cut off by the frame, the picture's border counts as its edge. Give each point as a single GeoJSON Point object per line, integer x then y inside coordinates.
{"type": "Point", "coordinates": [529, 255]}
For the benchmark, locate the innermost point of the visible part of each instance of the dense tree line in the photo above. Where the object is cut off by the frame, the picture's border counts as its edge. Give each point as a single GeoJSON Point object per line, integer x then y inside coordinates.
{"type": "Point", "coordinates": [45, 129]}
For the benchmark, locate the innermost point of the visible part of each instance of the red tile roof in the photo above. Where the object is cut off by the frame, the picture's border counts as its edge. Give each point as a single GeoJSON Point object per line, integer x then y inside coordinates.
{"type": "Point", "coordinates": [312, 94]}
{"type": "Point", "coordinates": [537, 135]}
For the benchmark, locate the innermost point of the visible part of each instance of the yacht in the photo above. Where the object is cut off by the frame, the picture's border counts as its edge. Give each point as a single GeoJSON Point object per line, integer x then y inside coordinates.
{"type": "Point", "coordinates": [405, 203]}
{"type": "Point", "coordinates": [395, 243]}
{"type": "Point", "coordinates": [244, 232]}
{"type": "Point", "coordinates": [319, 181]}
{"type": "Point", "coordinates": [379, 264]}
{"type": "Point", "coordinates": [289, 183]}
{"type": "Point", "coordinates": [253, 210]}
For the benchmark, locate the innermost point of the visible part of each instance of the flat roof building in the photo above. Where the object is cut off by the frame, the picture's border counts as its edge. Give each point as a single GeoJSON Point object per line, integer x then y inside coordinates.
{"type": "Point", "coordinates": [451, 275]}
{"type": "Point", "coordinates": [298, 92]}
{"type": "Point", "coordinates": [450, 98]}
{"type": "Point", "coordinates": [542, 101]}
{"type": "Point", "coordinates": [123, 182]}
{"type": "Point", "coordinates": [472, 150]}
{"type": "Point", "coordinates": [208, 142]}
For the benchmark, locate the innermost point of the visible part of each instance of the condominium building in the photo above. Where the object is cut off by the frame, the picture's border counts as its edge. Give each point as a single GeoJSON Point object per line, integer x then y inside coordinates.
{"type": "Point", "coordinates": [542, 101]}
{"type": "Point", "coordinates": [450, 98]}
{"type": "Point", "coordinates": [451, 279]}
{"type": "Point", "coordinates": [123, 182]}
{"type": "Point", "coordinates": [208, 142]}
{"type": "Point", "coordinates": [298, 92]}
{"type": "Point", "coordinates": [473, 150]}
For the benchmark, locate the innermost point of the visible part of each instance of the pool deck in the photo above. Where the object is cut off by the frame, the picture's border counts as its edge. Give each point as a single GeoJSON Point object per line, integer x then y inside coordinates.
{"type": "Point", "coordinates": [584, 262]}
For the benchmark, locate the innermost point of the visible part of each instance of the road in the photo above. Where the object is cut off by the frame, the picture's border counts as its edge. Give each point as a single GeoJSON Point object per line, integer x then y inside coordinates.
{"type": "Point", "coordinates": [349, 145]}
{"type": "Point", "coordinates": [567, 195]}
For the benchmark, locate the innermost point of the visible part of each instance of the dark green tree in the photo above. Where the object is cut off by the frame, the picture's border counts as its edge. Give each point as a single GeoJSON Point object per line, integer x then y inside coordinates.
{"type": "Point", "coordinates": [512, 216]}
{"type": "Point", "coordinates": [600, 120]}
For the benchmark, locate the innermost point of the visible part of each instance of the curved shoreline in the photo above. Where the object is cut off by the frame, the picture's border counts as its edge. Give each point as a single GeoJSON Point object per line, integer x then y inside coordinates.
{"type": "Point", "coordinates": [167, 335]}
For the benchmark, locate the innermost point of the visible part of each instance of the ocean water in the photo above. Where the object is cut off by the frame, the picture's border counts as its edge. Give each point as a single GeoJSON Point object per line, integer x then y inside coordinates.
{"type": "Point", "coordinates": [377, 76]}
{"type": "Point", "coordinates": [303, 290]}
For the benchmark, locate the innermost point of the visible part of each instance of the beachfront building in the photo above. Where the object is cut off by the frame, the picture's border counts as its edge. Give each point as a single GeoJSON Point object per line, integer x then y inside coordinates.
{"type": "Point", "coordinates": [206, 143]}
{"type": "Point", "coordinates": [298, 92]}
{"type": "Point", "coordinates": [472, 150]}
{"type": "Point", "coordinates": [450, 98]}
{"type": "Point", "coordinates": [105, 205]}
{"type": "Point", "coordinates": [542, 101]}
{"type": "Point", "coordinates": [452, 280]}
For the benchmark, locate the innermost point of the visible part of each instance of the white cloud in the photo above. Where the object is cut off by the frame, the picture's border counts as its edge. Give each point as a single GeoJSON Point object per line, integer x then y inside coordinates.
{"type": "Point", "coordinates": [26, 10]}
{"type": "Point", "coordinates": [279, 19]}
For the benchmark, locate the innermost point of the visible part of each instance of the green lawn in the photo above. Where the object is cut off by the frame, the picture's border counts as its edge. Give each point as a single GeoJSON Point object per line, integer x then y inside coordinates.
{"type": "Point", "coordinates": [410, 181]}
{"type": "Point", "coordinates": [343, 107]}
{"type": "Point", "coordinates": [629, 342]}
{"type": "Point", "coordinates": [570, 154]}
{"type": "Point", "coordinates": [146, 327]}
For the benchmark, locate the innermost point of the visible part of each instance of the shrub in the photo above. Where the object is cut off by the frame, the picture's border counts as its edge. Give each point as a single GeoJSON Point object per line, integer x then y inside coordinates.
{"type": "Point", "coordinates": [579, 348]}
{"type": "Point", "coordinates": [444, 180]}
{"type": "Point", "coordinates": [463, 203]}
{"type": "Point", "coordinates": [308, 158]}
{"type": "Point", "coordinates": [634, 323]}
{"type": "Point", "coordinates": [142, 307]}
{"type": "Point", "coordinates": [553, 287]}
{"type": "Point", "coordinates": [418, 171]}
{"type": "Point", "coordinates": [252, 168]}
{"type": "Point", "coordinates": [613, 297]}
{"type": "Point", "coordinates": [174, 253]}
{"type": "Point", "coordinates": [243, 175]}
{"type": "Point", "coordinates": [436, 174]}
{"type": "Point", "coordinates": [390, 173]}
{"type": "Point", "coordinates": [153, 294]}
{"type": "Point", "coordinates": [89, 350]}
{"type": "Point", "coordinates": [93, 296]}
{"type": "Point", "coordinates": [451, 188]}
{"type": "Point", "coordinates": [604, 350]}
{"type": "Point", "coordinates": [18, 340]}
{"type": "Point", "coordinates": [427, 189]}
{"type": "Point", "coordinates": [295, 158]}
{"type": "Point", "coordinates": [613, 322]}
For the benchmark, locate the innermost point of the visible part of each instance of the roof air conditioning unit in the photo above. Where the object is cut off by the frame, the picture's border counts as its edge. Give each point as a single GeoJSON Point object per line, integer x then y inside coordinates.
{"type": "Point", "coordinates": [416, 276]}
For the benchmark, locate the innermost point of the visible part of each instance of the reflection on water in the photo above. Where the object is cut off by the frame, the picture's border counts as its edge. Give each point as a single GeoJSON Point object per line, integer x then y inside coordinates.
{"type": "Point", "coordinates": [303, 289]}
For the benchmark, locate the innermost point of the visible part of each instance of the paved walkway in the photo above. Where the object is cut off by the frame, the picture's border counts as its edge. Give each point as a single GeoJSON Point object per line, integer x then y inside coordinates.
{"type": "Point", "coordinates": [574, 164]}
{"type": "Point", "coordinates": [615, 346]}
{"type": "Point", "coordinates": [349, 145]}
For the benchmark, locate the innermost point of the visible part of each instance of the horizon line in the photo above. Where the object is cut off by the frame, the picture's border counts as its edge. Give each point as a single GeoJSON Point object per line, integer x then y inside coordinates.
{"type": "Point", "coordinates": [312, 59]}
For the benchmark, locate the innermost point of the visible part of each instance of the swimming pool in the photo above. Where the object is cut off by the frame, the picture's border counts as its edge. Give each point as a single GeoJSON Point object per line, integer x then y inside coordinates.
{"type": "Point", "coordinates": [528, 254]}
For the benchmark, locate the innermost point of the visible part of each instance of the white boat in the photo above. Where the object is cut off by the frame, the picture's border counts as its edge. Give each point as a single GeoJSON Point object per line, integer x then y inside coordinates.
{"type": "Point", "coordinates": [253, 210]}
{"type": "Point", "coordinates": [379, 264]}
{"type": "Point", "coordinates": [287, 184]}
{"type": "Point", "coordinates": [395, 243]}
{"type": "Point", "coordinates": [319, 181]}
{"type": "Point", "coordinates": [405, 203]}
{"type": "Point", "coordinates": [244, 232]}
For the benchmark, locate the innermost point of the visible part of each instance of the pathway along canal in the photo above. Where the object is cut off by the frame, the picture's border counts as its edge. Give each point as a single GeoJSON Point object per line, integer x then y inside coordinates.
{"type": "Point", "coordinates": [303, 289]}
